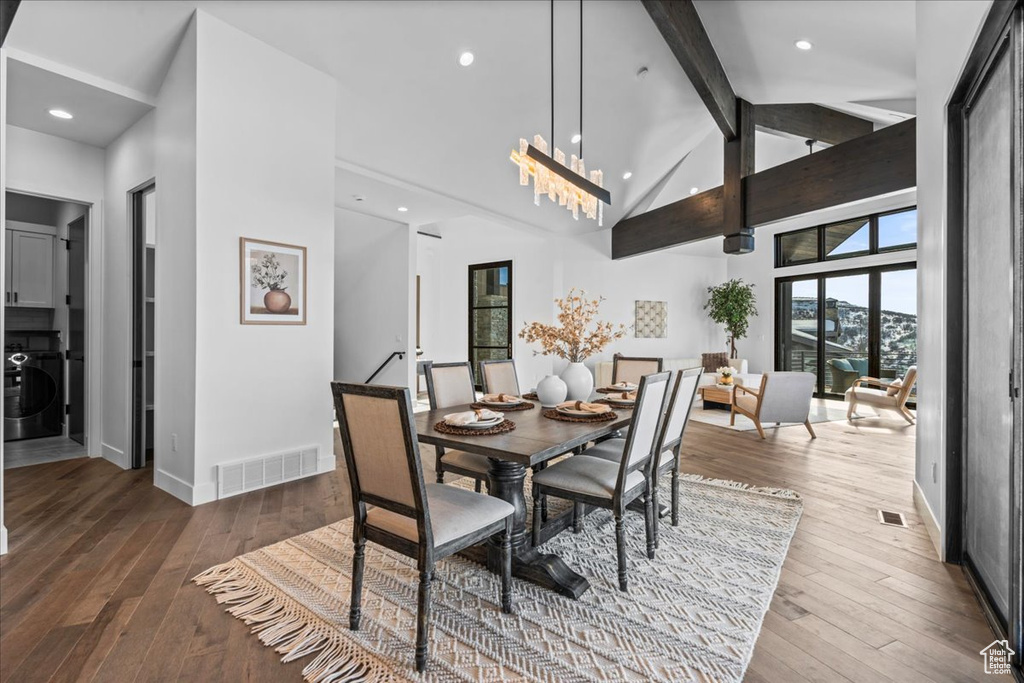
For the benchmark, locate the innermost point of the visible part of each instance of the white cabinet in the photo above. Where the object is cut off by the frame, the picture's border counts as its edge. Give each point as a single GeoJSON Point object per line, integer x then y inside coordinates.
{"type": "Point", "coordinates": [29, 260]}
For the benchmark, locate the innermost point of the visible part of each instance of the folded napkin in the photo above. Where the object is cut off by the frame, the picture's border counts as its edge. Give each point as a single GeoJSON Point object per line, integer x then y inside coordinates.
{"type": "Point", "coordinates": [501, 398]}
{"type": "Point", "coordinates": [470, 417]}
{"type": "Point", "coordinates": [596, 408]}
{"type": "Point", "coordinates": [627, 396]}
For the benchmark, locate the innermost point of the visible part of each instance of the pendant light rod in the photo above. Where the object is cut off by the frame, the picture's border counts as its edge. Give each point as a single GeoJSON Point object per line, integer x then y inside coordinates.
{"type": "Point", "coordinates": [581, 79]}
{"type": "Point", "coordinates": [552, 76]}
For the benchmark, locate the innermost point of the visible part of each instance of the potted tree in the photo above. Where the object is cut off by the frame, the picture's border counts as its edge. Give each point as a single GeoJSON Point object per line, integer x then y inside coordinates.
{"type": "Point", "coordinates": [731, 304]}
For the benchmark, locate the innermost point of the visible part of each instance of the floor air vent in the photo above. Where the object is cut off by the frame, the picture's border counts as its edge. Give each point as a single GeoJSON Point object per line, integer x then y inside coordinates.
{"type": "Point", "coordinates": [247, 475]}
{"type": "Point", "coordinates": [892, 518]}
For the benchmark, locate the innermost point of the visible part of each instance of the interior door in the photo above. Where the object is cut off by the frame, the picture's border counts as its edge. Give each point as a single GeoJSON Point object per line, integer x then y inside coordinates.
{"type": "Point", "coordinates": [990, 322]}
{"type": "Point", "coordinates": [76, 330]}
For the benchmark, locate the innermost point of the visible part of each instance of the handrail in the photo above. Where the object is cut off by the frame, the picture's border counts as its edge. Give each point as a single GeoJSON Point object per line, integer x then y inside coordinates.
{"type": "Point", "coordinates": [400, 354]}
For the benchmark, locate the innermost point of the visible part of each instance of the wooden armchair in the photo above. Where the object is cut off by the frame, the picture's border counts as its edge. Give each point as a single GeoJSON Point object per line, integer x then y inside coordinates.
{"type": "Point", "coordinates": [782, 397]}
{"type": "Point", "coordinates": [888, 396]}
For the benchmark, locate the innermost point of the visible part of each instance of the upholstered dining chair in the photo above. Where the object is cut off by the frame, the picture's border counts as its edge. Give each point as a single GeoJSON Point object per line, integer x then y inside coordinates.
{"type": "Point", "coordinates": [782, 397]}
{"type": "Point", "coordinates": [449, 385]}
{"type": "Point", "coordinates": [584, 479]}
{"type": "Point", "coordinates": [632, 369]}
{"type": "Point", "coordinates": [889, 396]}
{"type": "Point", "coordinates": [669, 441]}
{"type": "Point", "coordinates": [499, 377]}
{"type": "Point", "coordinates": [426, 522]}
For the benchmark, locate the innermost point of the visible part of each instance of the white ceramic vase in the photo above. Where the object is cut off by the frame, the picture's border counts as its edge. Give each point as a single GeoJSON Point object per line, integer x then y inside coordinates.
{"type": "Point", "coordinates": [579, 381]}
{"type": "Point", "coordinates": [551, 391]}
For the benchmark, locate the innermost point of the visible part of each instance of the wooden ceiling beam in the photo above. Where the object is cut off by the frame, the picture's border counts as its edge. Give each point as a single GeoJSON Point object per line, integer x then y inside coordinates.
{"type": "Point", "coordinates": [812, 121]}
{"type": "Point", "coordinates": [683, 31]}
{"type": "Point", "coordinates": [872, 165]}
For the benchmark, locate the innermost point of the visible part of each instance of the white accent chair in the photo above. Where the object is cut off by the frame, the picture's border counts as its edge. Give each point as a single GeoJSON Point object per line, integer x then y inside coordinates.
{"type": "Point", "coordinates": [890, 396]}
{"type": "Point", "coordinates": [782, 397]}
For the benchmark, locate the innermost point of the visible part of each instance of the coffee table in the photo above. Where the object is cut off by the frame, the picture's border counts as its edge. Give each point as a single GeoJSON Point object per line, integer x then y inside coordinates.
{"type": "Point", "coordinates": [716, 396]}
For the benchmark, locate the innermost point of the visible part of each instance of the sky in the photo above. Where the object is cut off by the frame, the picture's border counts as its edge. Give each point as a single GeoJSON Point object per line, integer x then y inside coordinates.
{"type": "Point", "coordinates": [899, 290]}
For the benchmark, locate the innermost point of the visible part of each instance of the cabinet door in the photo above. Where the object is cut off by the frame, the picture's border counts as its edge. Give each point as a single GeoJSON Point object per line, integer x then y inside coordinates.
{"type": "Point", "coordinates": [33, 269]}
{"type": "Point", "coordinates": [8, 275]}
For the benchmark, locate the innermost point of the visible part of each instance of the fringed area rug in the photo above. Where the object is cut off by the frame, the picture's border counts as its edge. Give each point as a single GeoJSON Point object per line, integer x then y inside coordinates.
{"type": "Point", "coordinates": [691, 614]}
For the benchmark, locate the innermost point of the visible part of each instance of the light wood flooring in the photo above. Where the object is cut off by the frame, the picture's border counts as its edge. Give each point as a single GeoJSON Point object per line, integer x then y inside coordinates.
{"type": "Point", "coordinates": [96, 584]}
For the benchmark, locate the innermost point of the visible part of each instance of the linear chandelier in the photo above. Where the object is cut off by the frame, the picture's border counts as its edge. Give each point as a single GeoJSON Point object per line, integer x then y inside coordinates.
{"type": "Point", "coordinates": [568, 185]}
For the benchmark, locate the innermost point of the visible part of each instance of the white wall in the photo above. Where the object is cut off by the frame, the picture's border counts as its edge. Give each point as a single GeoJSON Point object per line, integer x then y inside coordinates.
{"type": "Point", "coordinates": [53, 167]}
{"type": "Point", "coordinates": [130, 162]}
{"type": "Point", "coordinates": [264, 169]}
{"type": "Point", "coordinates": [946, 31]}
{"type": "Point", "coordinates": [372, 301]}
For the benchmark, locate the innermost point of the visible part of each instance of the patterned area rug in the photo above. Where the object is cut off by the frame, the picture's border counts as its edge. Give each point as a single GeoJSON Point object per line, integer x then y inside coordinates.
{"type": "Point", "coordinates": [692, 614]}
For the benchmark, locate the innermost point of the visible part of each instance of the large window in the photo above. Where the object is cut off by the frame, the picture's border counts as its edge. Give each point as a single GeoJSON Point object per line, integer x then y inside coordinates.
{"type": "Point", "coordinates": [848, 324]}
{"type": "Point", "coordinates": [490, 313]}
{"type": "Point", "coordinates": [873, 234]}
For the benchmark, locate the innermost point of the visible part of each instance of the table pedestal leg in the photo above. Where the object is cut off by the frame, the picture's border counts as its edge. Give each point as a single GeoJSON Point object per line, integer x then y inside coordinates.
{"type": "Point", "coordinates": [549, 571]}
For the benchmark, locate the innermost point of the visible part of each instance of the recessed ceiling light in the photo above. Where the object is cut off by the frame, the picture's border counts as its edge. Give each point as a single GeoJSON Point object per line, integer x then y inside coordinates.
{"type": "Point", "coordinates": [61, 114]}
{"type": "Point", "coordinates": [627, 175]}
{"type": "Point", "coordinates": [466, 58]}
{"type": "Point", "coordinates": [803, 45]}
{"type": "Point", "coordinates": [576, 138]}
{"type": "Point", "coordinates": [694, 190]}
{"type": "Point", "coordinates": [403, 209]}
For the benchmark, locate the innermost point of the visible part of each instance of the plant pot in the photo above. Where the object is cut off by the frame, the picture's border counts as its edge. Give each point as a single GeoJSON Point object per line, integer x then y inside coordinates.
{"type": "Point", "coordinates": [277, 301]}
{"type": "Point", "coordinates": [551, 391]}
{"type": "Point", "coordinates": [579, 381]}
{"type": "Point", "coordinates": [725, 380]}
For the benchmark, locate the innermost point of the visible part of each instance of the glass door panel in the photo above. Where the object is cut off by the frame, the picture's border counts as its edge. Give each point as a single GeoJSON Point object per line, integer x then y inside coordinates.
{"type": "Point", "coordinates": [490, 314]}
{"type": "Point", "coordinates": [898, 324]}
{"type": "Point", "coordinates": [798, 329]}
{"type": "Point", "coordinates": [847, 321]}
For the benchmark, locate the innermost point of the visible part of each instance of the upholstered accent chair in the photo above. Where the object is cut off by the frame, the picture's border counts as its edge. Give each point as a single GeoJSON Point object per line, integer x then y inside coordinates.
{"type": "Point", "coordinates": [587, 480]}
{"type": "Point", "coordinates": [499, 377]}
{"type": "Point", "coordinates": [888, 396]}
{"type": "Point", "coordinates": [782, 397]}
{"type": "Point", "coordinates": [669, 441]}
{"type": "Point", "coordinates": [426, 522]}
{"type": "Point", "coordinates": [450, 385]}
{"type": "Point", "coordinates": [632, 369]}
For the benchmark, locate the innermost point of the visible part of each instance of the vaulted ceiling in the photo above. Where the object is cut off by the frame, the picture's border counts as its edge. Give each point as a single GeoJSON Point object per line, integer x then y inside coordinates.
{"type": "Point", "coordinates": [410, 117]}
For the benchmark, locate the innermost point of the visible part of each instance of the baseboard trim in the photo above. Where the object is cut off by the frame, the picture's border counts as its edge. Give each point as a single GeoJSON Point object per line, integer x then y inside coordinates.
{"type": "Point", "coordinates": [3, 540]}
{"type": "Point", "coordinates": [930, 523]}
{"type": "Point", "coordinates": [114, 455]}
{"type": "Point", "coordinates": [326, 463]}
{"type": "Point", "coordinates": [178, 488]}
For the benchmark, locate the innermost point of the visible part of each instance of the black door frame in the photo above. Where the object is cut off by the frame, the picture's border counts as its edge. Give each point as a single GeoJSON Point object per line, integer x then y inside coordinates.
{"type": "Point", "coordinates": [1003, 28]}
{"type": "Point", "coordinates": [137, 444]}
{"type": "Point", "coordinates": [473, 267]}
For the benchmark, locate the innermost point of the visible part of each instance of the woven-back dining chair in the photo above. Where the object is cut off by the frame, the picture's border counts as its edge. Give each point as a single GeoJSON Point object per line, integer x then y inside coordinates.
{"type": "Point", "coordinates": [625, 369]}
{"type": "Point", "coordinates": [450, 385]}
{"type": "Point", "coordinates": [426, 522]}
{"type": "Point", "coordinates": [499, 377]}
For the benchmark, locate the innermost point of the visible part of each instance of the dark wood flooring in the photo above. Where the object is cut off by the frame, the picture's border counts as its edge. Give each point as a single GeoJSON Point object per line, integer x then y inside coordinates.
{"type": "Point", "coordinates": [96, 584]}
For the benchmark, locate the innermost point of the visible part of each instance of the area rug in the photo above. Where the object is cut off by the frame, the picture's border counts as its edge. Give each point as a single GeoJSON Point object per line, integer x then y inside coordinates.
{"type": "Point", "coordinates": [692, 614]}
{"type": "Point", "coordinates": [822, 410]}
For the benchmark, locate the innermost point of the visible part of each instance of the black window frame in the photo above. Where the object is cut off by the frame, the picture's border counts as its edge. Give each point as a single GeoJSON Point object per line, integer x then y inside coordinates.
{"type": "Point", "coordinates": [822, 257]}
{"type": "Point", "coordinates": [473, 268]}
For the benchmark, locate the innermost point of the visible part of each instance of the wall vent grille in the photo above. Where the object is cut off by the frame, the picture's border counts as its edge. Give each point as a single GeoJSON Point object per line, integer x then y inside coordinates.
{"type": "Point", "coordinates": [267, 470]}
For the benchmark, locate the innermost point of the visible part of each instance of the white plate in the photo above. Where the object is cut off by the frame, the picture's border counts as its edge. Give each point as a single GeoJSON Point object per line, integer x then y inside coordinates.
{"type": "Point", "coordinates": [577, 413]}
{"type": "Point", "coordinates": [628, 387]}
{"type": "Point", "coordinates": [508, 404]}
{"type": "Point", "coordinates": [494, 422]}
{"type": "Point", "coordinates": [619, 401]}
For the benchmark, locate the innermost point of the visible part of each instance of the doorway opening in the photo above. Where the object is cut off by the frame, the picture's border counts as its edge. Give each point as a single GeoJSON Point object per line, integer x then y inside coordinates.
{"type": "Point", "coordinates": [143, 213]}
{"type": "Point", "coordinates": [490, 314]}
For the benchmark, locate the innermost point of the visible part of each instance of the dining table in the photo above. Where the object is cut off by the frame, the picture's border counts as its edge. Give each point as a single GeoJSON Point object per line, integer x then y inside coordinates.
{"type": "Point", "coordinates": [535, 440]}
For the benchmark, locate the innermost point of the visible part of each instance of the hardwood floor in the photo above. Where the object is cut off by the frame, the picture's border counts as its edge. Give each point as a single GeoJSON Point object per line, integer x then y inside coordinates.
{"type": "Point", "coordinates": [96, 584]}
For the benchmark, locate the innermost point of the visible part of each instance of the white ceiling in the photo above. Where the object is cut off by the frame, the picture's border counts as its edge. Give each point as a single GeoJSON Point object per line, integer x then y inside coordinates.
{"type": "Point", "coordinates": [410, 117]}
{"type": "Point", "coordinates": [100, 116]}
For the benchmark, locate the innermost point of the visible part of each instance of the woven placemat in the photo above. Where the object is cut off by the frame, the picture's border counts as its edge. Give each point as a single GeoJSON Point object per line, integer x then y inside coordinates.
{"type": "Point", "coordinates": [531, 396]}
{"type": "Point", "coordinates": [552, 414]}
{"type": "Point", "coordinates": [610, 403]}
{"type": "Point", "coordinates": [500, 428]}
{"type": "Point", "coordinates": [508, 409]}
{"type": "Point", "coordinates": [609, 390]}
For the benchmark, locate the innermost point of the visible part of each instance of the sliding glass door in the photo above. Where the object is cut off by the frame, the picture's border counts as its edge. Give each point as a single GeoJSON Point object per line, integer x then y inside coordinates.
{"type": "Point", "coordinates": [847, 324]}
{"type": "Point", "coordinates": [490, 314]}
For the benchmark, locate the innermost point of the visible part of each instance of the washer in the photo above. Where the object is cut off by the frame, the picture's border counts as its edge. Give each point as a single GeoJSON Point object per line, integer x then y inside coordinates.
{"type": "Point", "coordinates": [33, 394]}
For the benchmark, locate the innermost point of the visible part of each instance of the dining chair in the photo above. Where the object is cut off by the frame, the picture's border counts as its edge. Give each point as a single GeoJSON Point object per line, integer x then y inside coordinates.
{"type": "Point", "coordinates": [630, 370]}
{"type": "Point", "coordinates": [426, 522]}
{"type": "Point", "coordinates": [449, 385]}
{"type": "Point", "coordinates": [499, 377]}
{"type": "Point", "coordinates": [782, 397]}
{"type": "Point", "coordinates": [586, 480]}
{"type": "Point", "coordinates": [669, 441]}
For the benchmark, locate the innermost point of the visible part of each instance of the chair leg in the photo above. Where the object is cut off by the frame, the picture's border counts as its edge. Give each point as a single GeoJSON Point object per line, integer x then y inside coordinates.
{"type": "Point", "coordinates": [423, 620]}
{"type": "Point", "coordinates": [732, 417]}
{"type": "Point", "coordinates": [358, 560]}
{"type": "Point", "coordinates": [906, 414]}
{"type": "Point", "coordinates": [850, 411]}
{"type": "Point", "coordinates": [675, 495]}
{"type": "Point", "coordinates": [577, 518]}
{"type": "Point", "coordinates": [478, 486]}
{"type": "Point", "coordinates": [807, 423]}
{"type": "Point", "coordinates": [760, 430]}
{"type": "Point", "coordinates": [650, 523]}
{"type": "Point", "coordinates": [620, 547]}
{"type": "Point", "coordinates": [506, 568]}
{"type": "Point", "coordinates": [537, 505]}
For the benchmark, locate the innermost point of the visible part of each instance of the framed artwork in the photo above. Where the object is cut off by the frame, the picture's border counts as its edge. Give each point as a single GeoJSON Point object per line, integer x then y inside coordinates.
{"type": "Point", "coordinates": [651, 320]}
{"type": "Point", "coordinates": [273, 283]}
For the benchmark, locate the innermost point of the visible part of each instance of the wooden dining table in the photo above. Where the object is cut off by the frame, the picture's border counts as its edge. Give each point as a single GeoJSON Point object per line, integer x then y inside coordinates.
{"type": "Point", "coordinates": [535, 440]}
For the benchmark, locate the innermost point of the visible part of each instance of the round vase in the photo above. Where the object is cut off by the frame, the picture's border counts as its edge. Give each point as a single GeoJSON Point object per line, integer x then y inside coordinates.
{"type": "Point", "coordinates": [725, 380]}
{"type": "Point", "coordinates": [277, 301]}
{"type": "Point", "coordinates": [579, 381]}
{"type": "Point", "coordinates": [551, 391]}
